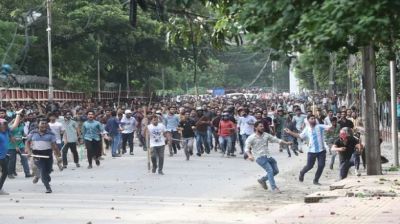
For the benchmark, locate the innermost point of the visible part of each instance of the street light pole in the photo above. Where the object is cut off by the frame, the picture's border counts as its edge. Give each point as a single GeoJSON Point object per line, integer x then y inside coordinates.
{"type": "Point", "coordinates": [393, 97]}
{"type": "Point", "coordinates": [49, 50]}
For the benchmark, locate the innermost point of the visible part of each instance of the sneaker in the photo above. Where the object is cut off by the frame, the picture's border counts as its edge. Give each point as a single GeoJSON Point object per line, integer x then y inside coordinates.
{"type": "Point", "coordinates": [331, 166]}
{"type": "Point", "coordinates": [65, 167]}
{"type": "Point", "coordinates": [277, 191]}
{"type": "Point", "coordinates": [2, 192]}
{"type": "Point", "coordinates": [90, 167]}
{"type": "Point", "coordinates": [263, 184]}
{"type": "Point", "coordinates": [233, 155]}
{"type": "Point", "coordinates": [49, 191]}
{"type": "Point", "coordinates": [153, 170]}
{"type": "Point", "coordinates": [131, 153]}
{"type": "Point", "coordinates": [116, 155]}
{"type": "Point", "coordinates": [77, 165]}
{"type": "Point", "coordinates": [28, 175]}
{"type": "Point", "coordinates": [10, 176]}
{"type": "Point", "coordinates": [160, 172]}
{"type": "Point", "coordinates": [357, 173]}
{"type": "Point", "coordinates": [35, 180]}
{"type": "Point", "coordinates": [198, 154]}
{"type": "Point", "coordinates": [97, 162]}
{"type": "Point", "coordinates": [15, 174]}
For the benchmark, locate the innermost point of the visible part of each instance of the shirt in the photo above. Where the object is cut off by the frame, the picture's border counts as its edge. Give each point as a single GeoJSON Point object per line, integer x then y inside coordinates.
{"type": "Point", "coordinates": [4, 139]}
{"type": "Point", "coordinates": [246, 125]}
{"type": "Point", "coordinates": [315, 136]}
{"type": "Point", "coordinates": [171, 122]}
{"type": "Point", "coordinates": [350, 147]}
{"type": "Point", "coordinates": [128, 125]}
{"type": "Point", "coordinates": [226, 128]}
{"type": "Point", "coordinates": [70, 127]}
{"type": "Point", "coordinates": [156, 134]}
{"type": "Point", "coordinates": [91, 130]}
{"type": "Point", "coordinates": [17, 133]}
{"type": "Point", "coordinates": [57, 128]}
{"type": "Point", "coordinates": [259, 144]}
{"type": "Point", "coordinates": [112, 126]}
{"type": "Point", "coordinates": [41, 141]}
{"type": "Point", "coordinates": [299, 121]}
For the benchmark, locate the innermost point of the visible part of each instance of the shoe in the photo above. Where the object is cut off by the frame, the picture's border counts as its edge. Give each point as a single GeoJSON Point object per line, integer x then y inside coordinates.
{"type": "Point", "coordinates": [10, 176]}
{"type": "Point", "coordinates": [241, 153]}
{"type": "Point", "coordinates": [301, 178]}
{"type": "Point", "coordinates": [191, 153]}
{"type": "Point", "coordinates": [300, 151]}
{"type": "Point", "coordinates": [35, 179]}
{"type": "Point", "coordinates": [97, 162]}
{"type": "Point", "coordinates": [131, 153]}
{"type": "Point", "coordinates": [280, 150]}
{"type": "Point", "coordinates": [28, 175]}
{"type": "Point", "coordinates": [357, 173]}
{"type": "Point", "coordinates": [90, 167]}
{"type": "Point", "coordinates": [290, 156]}
{"type": "Point", "coordinates": [277, 191]}
{"type": "Point", "coordinates": [263, 184]}
{"type": "Point", "coordinates": [65, 167]}
{"type": "Point", "coordinates": [123, 151]}
{"type": "Point", "coordinates": [60, 166]}
{"type": "Point", "coordinates": [233, 155]}
{"type": "Point", "coordinates": [316, 183]}
{"type": "Point", "coordinates": [49, 191]}
{"type": "Point", "coordinates": [77, 165]}
{"type": "Point", "coordinates": [153, 170]}
{"type": "Point", "coordinates": [296, 153]}
{"type": "Point", "coordinates": [331, 166]}
{"type": "Point", "coordinates": [2, 192]}
{"type": "Point", "coordinates": [198, 154]}
{"type": "Point", "coordinates": [116, 155]}
{"type": "Point", "coordinates": [160, 172]}
{"type": "Point", "coordinates": [15, 174]}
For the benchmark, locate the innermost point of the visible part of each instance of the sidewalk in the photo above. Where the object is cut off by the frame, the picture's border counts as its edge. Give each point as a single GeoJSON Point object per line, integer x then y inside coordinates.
{"type": "Point", "coordinates": [366, 199]}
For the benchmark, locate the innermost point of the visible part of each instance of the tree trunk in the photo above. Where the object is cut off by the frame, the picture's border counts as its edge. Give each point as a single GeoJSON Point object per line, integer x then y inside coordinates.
{"type": "Point", "coordinates": [371, 124]}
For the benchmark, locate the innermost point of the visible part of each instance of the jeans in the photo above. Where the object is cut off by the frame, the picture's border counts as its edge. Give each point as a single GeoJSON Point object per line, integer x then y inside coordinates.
{"type": "Point", "coordinates": [173, 141]}
{"type": "Point", "coordinates": [13, 161]}
{"type": "Point", "coordinates": [115, 142]}
{"type": "Point", "coordinates": [346, 164]}
{"type": "Point", "coordinates": [157, 153]}
{"type": "Point", "coordinates": [44, 165]}
{"type": "Point", "coordinates": [225, 143]}
{"type": "Point", "coordinates": [201, 138]}
{"type": "Point", "coordinates": [188, 146]}
{"type": "Point", "coordinates": [127, 138]}
{"type": "Point", "coordinates": [4, 171]}
{"type": "Point", "coordinates": [72, 146]}
{"type": "Point", "coordinates": [243, 138]}
{"type": "Point", "coordinates": [311, 157]}
{"type": "Point", "coordinates": [210, 137]}
{"type": "Point", "coordinates": [93, 150]}
{"type": "Point", "coordinates": [269, 165]}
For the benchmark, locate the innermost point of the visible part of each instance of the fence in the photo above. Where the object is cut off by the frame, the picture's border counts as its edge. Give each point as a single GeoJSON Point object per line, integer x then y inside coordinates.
{"type": "Point", "coordinates": [18, 94]}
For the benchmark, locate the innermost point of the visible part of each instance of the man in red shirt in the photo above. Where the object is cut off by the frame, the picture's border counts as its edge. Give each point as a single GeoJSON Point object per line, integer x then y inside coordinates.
{"type": "Point", "coordinates": [225, 130]}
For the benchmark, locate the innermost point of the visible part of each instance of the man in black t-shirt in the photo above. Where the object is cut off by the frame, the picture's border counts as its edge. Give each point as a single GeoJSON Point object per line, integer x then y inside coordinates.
{"type": "Point", "coordinates": [186, 126]}
{"type": "Point", "coordinates": [344, 122]}
{"type": "Point", "coordinates": [348, 147]}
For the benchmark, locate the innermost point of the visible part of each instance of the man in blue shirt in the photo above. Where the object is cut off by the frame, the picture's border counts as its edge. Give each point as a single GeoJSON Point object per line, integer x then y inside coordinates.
{"type": "Point", "coordinates": [113, 129]}
{"type": "Point", "coordinates": [91, 132]}
{"type": "Point", "coordinates": [42, 141]}
{"type": "Point", "coordinates": [4, 141]}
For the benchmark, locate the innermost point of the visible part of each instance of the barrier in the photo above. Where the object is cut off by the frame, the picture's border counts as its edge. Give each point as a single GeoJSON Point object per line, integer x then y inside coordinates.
{"type": "Point", "coordinates": [18, 94]}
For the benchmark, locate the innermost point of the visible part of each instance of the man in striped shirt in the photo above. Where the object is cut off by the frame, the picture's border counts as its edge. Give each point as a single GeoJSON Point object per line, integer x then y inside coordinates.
{"type": "Point", "coordinates": [315, 134]}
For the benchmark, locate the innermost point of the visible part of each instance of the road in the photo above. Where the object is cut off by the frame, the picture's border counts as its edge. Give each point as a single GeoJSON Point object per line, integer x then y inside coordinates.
{"type": "Point", "coordinates": [207, 189]}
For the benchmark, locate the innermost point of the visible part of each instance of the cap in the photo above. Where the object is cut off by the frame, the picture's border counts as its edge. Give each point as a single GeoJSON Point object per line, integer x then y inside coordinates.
{"type": "Point", "coordinates": [128, 111]}
{"type": "Point", "coordinates": [158, 112]}
{"type": "Point", "coordinates": [199, 108]}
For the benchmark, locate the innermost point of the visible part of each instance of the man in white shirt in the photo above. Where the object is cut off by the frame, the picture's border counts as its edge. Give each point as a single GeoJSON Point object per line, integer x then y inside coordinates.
{"type": "Point", "coordinates": [156, 133]}
{"type": "Point", "coordinates": [128, 125]}
{"type": "Point", "coordinates": [57, 128]}
{"type": "Point", "coordinates": [246, 125]}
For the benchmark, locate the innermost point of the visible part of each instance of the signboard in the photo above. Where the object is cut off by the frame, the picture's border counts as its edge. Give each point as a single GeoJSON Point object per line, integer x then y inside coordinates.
{"type": "Point", "coordinates": [218, 92]}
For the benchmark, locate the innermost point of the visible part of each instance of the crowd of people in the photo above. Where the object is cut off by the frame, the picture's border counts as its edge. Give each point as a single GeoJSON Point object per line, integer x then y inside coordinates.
{"type": "Point", "coordinates": [46, 132]}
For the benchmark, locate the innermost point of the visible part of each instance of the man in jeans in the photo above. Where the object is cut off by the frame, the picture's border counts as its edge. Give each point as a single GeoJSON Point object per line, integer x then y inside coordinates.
{"type": "Point", "coordinates": [186, 125]}
{"type": "Point", "coordinates": [315, 134]}
{"type": "Point", "coordinates": [246, 127]}
{"type": "Point", "coordinates": [113, 129]}
{"type": "Point", "coordinates": [225, 129]}
{"type": "Point", "coordinates": [257, 149]}
{"type": "Point", "coordinates": [156, 134]}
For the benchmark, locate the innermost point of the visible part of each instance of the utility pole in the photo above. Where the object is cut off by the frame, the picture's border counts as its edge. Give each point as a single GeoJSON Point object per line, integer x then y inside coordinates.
{"type": "Point", "coordinates": [332, 70]}
{"type": "Point", "coordinates": [98, 72]}
{"type": "Point", "coordinates": [127, 81]}
{"type": "Point", "coordinates": [393, 101]}
{"type": "Point", "coordinates": [163, 82]}
{"type": "Point", "coordinates": [371, 124]}
{"type": "Point", "coordinates": [48, 6]}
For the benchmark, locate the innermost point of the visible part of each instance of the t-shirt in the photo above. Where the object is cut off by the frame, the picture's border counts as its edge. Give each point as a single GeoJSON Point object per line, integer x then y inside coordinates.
{"type": "Point", "coordinates": [70, 127]}
{"type": "Point", "coordinates": [187, 131]}
{"type": "Point", "coordinates": [246, 124]}
{"type": "Point", "coordinates": [156, 134]}
{"type": "Point", "coordinates": [350, 147]}
{"type": "Point", "coordinates": [17, 133]}
{"type": "Point", "coordinates": [57, 128]}
{"type": "Point", "coordinates": [345, 123]}
{"type": "Point", "coordinates": [128, 125]}
{"type": "Point", "coordinates": [226, 128]}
